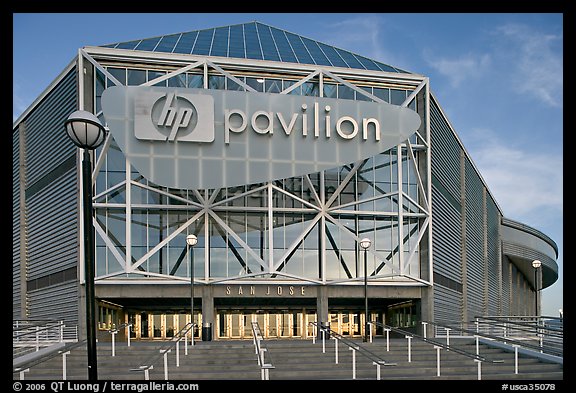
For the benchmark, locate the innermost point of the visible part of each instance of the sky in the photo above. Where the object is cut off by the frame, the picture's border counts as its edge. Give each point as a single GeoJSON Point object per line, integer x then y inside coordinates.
{"type": "Point", "coordinates": [497, 76]}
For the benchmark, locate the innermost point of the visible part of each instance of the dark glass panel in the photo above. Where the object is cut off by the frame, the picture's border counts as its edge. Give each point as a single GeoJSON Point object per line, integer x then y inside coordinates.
{"type": "Point", "coordinates": [350, 59]}
{"type": "Point", "coordinates": [186, 42]}
{"type": "Point", "coordinates": [237, 42]}
{"type": "Point", "coordinates": [156, 74]}
{"type": "Point", "coordinates": [284, 48]}
{"type": "Point", "coordinates": [316, 52]}
{"type": "Point", "coordinates": [118, 73]}
{"type": "Point", "coordinates": [369, 64]}
{"type": "Point", "coordinates": [333, 56]}
{"type": "Point", "coordinates": [203, 42]}
{"type": "Point", "coordinates": [167, 43]}
{"type": "Point", "coordinates": [299, 49]}
{"type": "Point", "coordinates": [195, 81]}
{"type": "Point", "coordinates": [253, 50]}
{"type": "Point", "coordinates": [127, 45]}
{"type": "Point", "coordinates": [385, 67]}
{"type": "Point", "coordinates": [148, 44]}
{"type": "Point", "coordinates": [220, 42]}
{"type": "Point", "coordinates": [397, 97]}
{"type": "Point", "coordinates": [136, 77]}
{"type": "Point", "coordinates": [268, 46]}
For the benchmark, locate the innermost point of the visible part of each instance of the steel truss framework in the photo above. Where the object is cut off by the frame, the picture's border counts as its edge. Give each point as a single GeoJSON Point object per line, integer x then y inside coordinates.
{"type": "Point", "coordinates": [211, 213]}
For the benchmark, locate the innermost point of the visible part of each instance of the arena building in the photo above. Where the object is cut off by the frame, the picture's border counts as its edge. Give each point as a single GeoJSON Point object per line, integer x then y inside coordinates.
{"type": "Point", "coordinates": [280, 153]}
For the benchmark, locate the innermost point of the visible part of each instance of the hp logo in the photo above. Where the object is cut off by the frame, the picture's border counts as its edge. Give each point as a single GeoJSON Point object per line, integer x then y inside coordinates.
{"type": "Point", "coordinates": [172, 117]}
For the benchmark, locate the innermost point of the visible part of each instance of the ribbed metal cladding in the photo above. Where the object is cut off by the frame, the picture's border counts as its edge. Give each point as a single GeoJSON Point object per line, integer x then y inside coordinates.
{"type": "Point", "coordinates": [521, 251]}
{"type": "Point", "coordinates": [447, 304]}
{"type": "Point", "coordinates": [52, 244]}
{"type": "Point", "coordinates": [51, 204]}
{"type": "Point", "coordinates": [446, 222]}
{"type": "Point", "coordinates": [506, 286]}
{"type": "Point", "coordinates": [447, 219]}
{"type": "Point", "coordinates": [16, 287]}
{"type": "Point", "coordinates": [445, 152]}
{"type": "Point", "coordinates": [58, 302]}
{"type": "Point", "coordinates": [46, 142]}
{"type": "Point", "coordinates": [493, 256]}
{"type": "Point", "coordinates": [474, 241]}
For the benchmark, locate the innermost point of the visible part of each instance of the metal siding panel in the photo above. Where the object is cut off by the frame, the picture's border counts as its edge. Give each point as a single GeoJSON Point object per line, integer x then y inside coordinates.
{"type": "Point", "coordinates": [493, 253]}
{"type": "Point", "coordinates": [56, 302]}
{"type": "Point", "coordinates": [46, 141]}
{"type": "Point", "coordinates": [446, 237]}
{"type": "Point", "coordinates": [445, 152]}
{"type": "Point", "coordinates": [53, 216]}
{"type": "Point", "coordinates": [16, 298]}
{"type": "Point", "coordinates": [447, 304]}
{"type": "Point", "coordinates": [474, 241]}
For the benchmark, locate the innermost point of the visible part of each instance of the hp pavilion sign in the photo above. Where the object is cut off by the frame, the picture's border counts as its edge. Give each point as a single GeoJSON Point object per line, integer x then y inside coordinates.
{"type": "Point", "coordinates": [170, 117]}
{"type": "Point", "coordinates": [203, 138]}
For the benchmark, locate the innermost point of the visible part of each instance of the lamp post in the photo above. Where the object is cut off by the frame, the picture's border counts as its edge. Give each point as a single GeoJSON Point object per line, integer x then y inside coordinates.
{"type": "Point", "coordinates": [365, 244]}
{"type": "Point", "coordinates": [536, 264]}
{"type": "Point", "coordinates": [191, 240]}
{"type": "Point", "coordinates": [87, 132]}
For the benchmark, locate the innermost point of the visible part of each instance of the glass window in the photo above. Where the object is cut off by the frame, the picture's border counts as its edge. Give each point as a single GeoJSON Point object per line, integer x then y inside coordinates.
{"type": "Point", "coordinates": [156, 74]}
{"type": "Point", "coordinates": [256, 83]}
{"type": "Point", "coordinates": [148, 44]}
{"type": "Point", "coordinates": [203, 42]}
{"type": "Point", "coordinates": [136, 77]}
{"type": "Point", "coordinates": [216, 82]}
{"type": "Point", "coordinates": [299, 49]}
{"type": "Point", "coordinates": [118, 73]}
{"type": "Point", "coordinates": [195, 81]}
{"type": "Point", "coordinates": [269, 50]}
{"type": "Point", "coordinates": [284, 48]}
{"type": "Point", "coordinates": [253, 50]}
{"type": "Point", "coordinates": [177, 81]}
{"type": "Point", "coordinates": [397, 97]}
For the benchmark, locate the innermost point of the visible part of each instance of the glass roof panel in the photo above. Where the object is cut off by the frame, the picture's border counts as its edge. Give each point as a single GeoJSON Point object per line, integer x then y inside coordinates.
{"type": "Point", "coordinates": [255, 40]}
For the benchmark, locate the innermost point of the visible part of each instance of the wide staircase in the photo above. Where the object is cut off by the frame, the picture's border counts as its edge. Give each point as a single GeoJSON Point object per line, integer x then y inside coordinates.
{"type": "Point", "coordinates": [295, 360]}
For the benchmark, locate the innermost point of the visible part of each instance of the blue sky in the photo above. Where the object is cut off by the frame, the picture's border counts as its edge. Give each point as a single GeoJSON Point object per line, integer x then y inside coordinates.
{"type": "Point", "coordinates": [498, 77]}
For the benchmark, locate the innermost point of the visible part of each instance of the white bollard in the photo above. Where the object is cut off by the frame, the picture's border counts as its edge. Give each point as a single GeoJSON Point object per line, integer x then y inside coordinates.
{"type": "Point", "coordinates": [353, 363]}
{"type": "Point", "coordinates": [336, 349]}
{"type": "Point", "coordinates": [479, 368]}
{"type": "Point", "coordinates": [515, 358]}
{"type": "Point", "coordinates": [113, 344]}
{"type": "Point", "coordinates": [64, 365]}
{"type": "Point", "coordinates": [387, 340]}
{"type": "Point", "coordinates": [409, 348]}
{"type": "Point", "coordinates": [437, 348]}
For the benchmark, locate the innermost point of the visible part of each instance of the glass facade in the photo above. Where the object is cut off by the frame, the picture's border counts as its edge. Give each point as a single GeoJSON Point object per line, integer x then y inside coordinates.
{"type": "Point", "coordinates": [302, 228]}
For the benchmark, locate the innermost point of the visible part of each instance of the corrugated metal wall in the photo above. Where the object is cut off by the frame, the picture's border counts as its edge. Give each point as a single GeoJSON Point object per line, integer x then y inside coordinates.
{"type": "Point", "coordinates": [446, 219]}
{"type": "Point", "coordinates": [16, 287]}
{"type": "Point", "coordinates": [473, 241]}
{"type": "Point", "coordinates": [51, 203]}
{"type": "Point", "coordinates": [493, 255]}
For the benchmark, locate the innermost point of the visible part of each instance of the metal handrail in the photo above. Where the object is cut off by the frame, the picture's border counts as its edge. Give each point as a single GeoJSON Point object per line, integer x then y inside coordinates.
{"type": "Point", "coordinates": [261, 348]}
{"type": "Point", "coordinates": [376, 359]}
{"type": "Point", "coordinates": [24, 366]}
{"type": "Point", "coordinates": [163, 351]}
{"type": "Point", "coordinates": [505, 340]}
{"type": "Point", "coordinates": [471, 355]}
{"type": "Point", "coordinates": [530, 327]}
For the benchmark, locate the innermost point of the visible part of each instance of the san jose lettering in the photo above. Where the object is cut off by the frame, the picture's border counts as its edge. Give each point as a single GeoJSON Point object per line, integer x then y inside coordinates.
{"type": "Point", "coordinates": [262, 122]}
{"type": "Point", "coordinates": [268, 290]}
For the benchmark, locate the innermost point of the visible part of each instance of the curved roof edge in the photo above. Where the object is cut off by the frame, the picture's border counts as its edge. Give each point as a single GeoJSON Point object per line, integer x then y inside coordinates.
{"type": "Point", "coordinates": [522, 244]}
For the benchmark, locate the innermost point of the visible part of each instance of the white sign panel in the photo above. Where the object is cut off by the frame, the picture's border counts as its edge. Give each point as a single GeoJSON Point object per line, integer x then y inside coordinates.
{"type": "Point", "coordinates": [202, 139]}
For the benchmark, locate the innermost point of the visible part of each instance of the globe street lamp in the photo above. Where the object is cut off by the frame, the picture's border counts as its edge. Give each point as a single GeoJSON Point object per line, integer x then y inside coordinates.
{"type": "Point", "coordinates": [191, 240]}
{"type": "Point", "coordinates": [87, 132]}
{"type": "Point", "coordinates": [536, 264]}
{"type": "Point", "coordinates": [365, 244]}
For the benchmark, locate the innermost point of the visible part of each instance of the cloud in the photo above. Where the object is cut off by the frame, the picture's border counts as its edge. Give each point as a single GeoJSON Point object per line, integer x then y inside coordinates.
{"type": "Point", "coordinates": [527, 185]}
{"type": "Point", "coordinates": [461, 69]}
{"type": "Point", "coordinates": [535, 61]}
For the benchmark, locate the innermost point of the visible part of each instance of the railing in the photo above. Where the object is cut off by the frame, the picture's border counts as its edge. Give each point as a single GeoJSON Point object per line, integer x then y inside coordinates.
{"type": "Point", "coordinates": [352, 345]}
{"type": "Point", "coordinates": [32, 335]}
{"type": "Point", "coordinates": [23, 364]}
{"type": "Point", "coordinates": [437, 346]}
{"type": "Point", "coordinates": [165, 349]}
{"type": "Point", "coordinates": [514, 331]}
{"type": "Point", "coordinates": [545, 333]}
{"type": "Point", "coordinates": [261, 352]}
{"type": "Point", "coordinates": [113, 332]}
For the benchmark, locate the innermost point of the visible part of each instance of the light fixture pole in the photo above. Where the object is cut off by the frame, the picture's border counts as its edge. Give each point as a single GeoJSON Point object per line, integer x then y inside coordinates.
{"type": "Point", "coordinates": [191, 240]}
{"type": "Point", "coordinates": [87, 132]}
{"type": "Point", "coordinates": [536, 265]}
{"type": "Point", "coordinates": [365, 244]}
